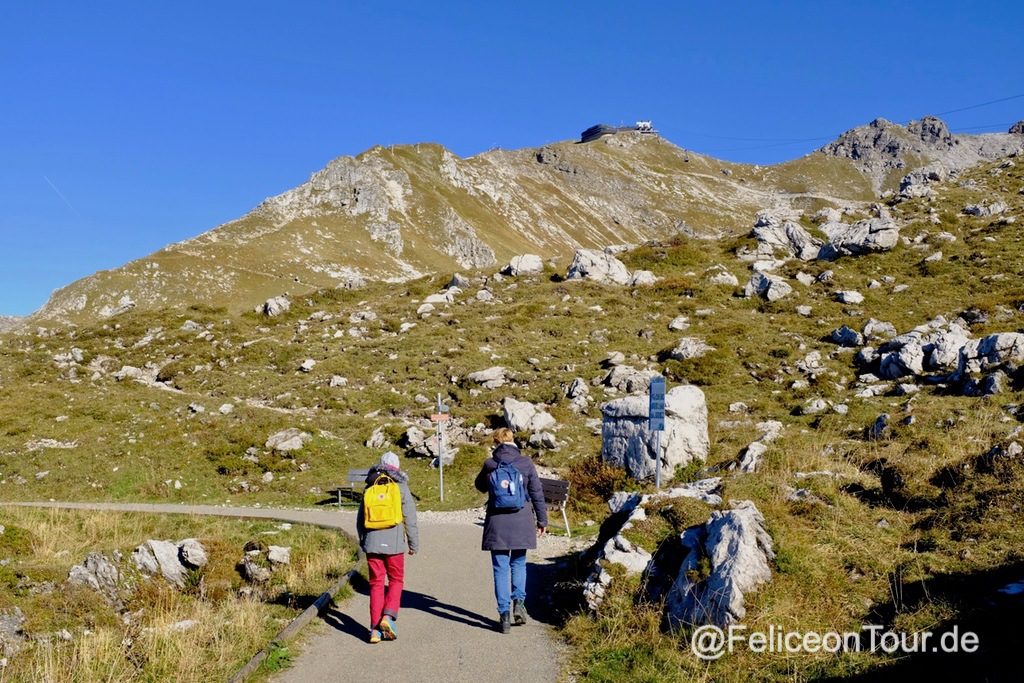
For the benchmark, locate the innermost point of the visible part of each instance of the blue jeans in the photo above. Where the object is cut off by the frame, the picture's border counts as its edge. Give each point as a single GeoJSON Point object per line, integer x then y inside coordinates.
{"type": "Point", "coordinates": [504, 563]}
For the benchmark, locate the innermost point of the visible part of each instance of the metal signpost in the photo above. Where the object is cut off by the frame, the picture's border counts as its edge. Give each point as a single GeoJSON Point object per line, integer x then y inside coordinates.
{"type": "Point", "coordinates": [656, 422]}
{"type": "Point", "coordinates": [439, 418]}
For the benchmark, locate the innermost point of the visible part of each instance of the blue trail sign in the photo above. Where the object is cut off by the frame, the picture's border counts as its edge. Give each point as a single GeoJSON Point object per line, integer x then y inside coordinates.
{"type": "Point", "coordinates": [656, 413]}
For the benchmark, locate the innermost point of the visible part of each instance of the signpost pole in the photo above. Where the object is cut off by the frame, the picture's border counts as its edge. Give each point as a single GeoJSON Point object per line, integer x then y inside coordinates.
{"type": "Point", "coordinates": [440, 444]}
{"type": "Point", "coordinates": [656, 422]}
{"type": "Point", "coordinates": [657, 455]}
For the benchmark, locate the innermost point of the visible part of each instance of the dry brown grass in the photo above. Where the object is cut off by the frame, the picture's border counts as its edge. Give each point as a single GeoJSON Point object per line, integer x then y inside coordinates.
{"type": "Point", "coordinates": [227, 629]}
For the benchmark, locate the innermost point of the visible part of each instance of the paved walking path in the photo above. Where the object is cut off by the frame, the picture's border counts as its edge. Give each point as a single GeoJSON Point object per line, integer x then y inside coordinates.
{"type": "Point", "coordinates": [447, 622]}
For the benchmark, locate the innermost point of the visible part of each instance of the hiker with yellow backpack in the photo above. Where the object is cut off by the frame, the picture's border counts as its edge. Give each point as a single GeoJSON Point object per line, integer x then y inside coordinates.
{"type": "Point", "coordinates": [386, 524]}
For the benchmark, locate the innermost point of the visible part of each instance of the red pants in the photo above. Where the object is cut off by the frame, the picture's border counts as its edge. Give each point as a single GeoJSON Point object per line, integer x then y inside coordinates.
{"type": "Point", "coordinates": [385, 601]}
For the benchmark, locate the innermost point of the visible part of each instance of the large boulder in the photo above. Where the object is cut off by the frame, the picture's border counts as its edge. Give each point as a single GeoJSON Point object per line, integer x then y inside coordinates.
{"type": "Point", "coordinates": [787, 237]}
{"type": "Point", "coordinates": [522, 416]}
{"type": "Point", "coordinates": [275, 306]}
{"type": "Point", "coordinates": [690, 347]}
{"type": "Point", "coordinates": [991, 353]}
{"type": "Point", "coordinates": [934, 347]}
{"type": "Point", "coordinates": [523, 264]}
{"type": "Point", "coordinates": [103, 575]}
{"type": "Point", "coordinates": [630, 508]}
{"type": "Point", "coordinates": [705, 490]}
{"type": "Point", "coordinates": [597, 265]}
{"type": "Point", "coordinates": [420, 443]}
{"type": "Point", "coordinates": [290, 439]}
{"type": "Point", "coordinates": [863, 237]}
{"type": "Point", "coordinates": [844, 336]}
{"type": "Point", "coordinates": [770, 287]}
{"type": "Point", "coordinates": [642, 278]}
{"type": "Point", "coordinates": [907, 359]}
{"type": "Point", "coordinates": [627, 441]}
{"type": "Point", "coordinates": [942, 347]}
{"type": "Point", "coordinates": [491, 378]}
{"type": "Point", "coordinates": [192, 554]}
{"type": "Point", "coordinates": [738, 549]}
{"type": "Point", "coordinates": [984, 210]}
{"type": "Point", "coordinates": [916, 183]}
{"type": "Point", "coordinates": [161, 557]}
{"type": "Point", "coordinates": [628, 379]}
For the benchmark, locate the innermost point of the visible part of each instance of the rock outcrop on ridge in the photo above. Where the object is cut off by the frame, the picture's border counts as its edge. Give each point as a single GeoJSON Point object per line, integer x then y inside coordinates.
{"type": "Point", "coordinates": [398, 213]}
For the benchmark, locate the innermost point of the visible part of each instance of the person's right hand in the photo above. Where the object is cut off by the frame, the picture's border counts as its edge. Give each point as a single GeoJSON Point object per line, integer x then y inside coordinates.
{"type": "Point", "coordinates": [541, 530]}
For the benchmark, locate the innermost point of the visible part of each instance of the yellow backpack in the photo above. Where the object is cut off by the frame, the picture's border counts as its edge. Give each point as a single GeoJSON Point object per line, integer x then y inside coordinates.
{"type": "Point", "coordinates": [382, 504]}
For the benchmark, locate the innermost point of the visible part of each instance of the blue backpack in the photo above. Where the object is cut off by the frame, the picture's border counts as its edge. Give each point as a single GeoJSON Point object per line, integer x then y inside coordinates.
{"type": "Point", "coordinates": [507, 489]}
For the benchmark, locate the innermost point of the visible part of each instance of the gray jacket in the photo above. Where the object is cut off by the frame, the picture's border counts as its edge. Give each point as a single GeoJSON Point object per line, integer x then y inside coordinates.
{"type": "Point", "coordinates": [398, 539]}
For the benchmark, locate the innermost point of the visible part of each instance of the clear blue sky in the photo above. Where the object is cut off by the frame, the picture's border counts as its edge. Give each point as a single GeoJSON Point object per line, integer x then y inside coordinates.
{"type": "Point", "coordinates": [128, 125]}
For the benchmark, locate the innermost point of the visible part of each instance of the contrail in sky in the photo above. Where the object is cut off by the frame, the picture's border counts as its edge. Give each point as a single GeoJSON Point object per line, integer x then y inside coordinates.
{"type": "Point", "coordinates": [61, 195]}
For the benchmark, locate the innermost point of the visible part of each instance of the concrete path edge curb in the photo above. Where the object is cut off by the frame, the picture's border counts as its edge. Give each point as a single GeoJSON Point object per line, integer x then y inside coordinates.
{"type": "Point", "coordinates": [291, 630]}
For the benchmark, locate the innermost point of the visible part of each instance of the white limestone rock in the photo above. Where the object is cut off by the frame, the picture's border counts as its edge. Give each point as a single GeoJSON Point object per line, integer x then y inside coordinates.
{"type": "Point", "coordinates": [103, 575]}
{"type": "Point", "coordinates": [275, 306]}
{"type": "Point", "coordinates": [290, 439]}
{"type": "Point", "coordinates": [523, 265]}
{"type": "Point", "coordinates": [690, 347]}
{"type": "Point", "coordinates": [770, 287]}
{"type": "Point", "coordinates": [598, 266]}
{"type": "Point", "coordinates": [192, 553]}
{"type": "Point", "coordinates": [491, 378]}
{"type": "Point", "coordinates": [628, 443]}
{"type": "Point", "coordinates": [522, 416]}
{"type": "Point", "coordinates": [642, 278]}
{"type": "Point", "coordinates": [720, 275]}
{"type": "Point", "coordinates": [279, 555]}
{"type": "Point", "coordinates": [679, 323]}
{"type": "Point", "coordinates": [863, 237]}
{"type": "Point", "coordinates": [164, 555]}
{"type": "Point", "coordinates": [849, 297]}
{"type": "Point", "coordinates": [739, 550]}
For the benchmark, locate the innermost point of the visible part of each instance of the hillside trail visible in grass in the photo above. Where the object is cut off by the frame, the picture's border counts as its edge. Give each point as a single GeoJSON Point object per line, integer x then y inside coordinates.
{"type": "Point", "coordinates": [447, 621]}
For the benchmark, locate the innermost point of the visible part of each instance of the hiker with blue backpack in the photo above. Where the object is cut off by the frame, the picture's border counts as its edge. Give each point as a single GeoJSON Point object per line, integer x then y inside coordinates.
{"type": "Point", "coordinates": [516, 516]}
{"type": "Point", "coordinates": [386, 525]}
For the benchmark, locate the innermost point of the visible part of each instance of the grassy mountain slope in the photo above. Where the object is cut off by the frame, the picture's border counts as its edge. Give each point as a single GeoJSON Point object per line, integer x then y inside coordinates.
{"type": "Point", "coordinates": [897, 541]}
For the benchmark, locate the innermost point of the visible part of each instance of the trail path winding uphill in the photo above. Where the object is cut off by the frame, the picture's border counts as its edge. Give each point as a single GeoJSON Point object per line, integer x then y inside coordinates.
{"type": "Point", "coordinates": [447, 621]}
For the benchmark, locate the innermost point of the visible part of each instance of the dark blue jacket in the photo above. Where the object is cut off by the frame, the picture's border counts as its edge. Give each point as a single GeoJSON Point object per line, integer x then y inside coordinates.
{"type": "Point", "coordinates": [513, 529]}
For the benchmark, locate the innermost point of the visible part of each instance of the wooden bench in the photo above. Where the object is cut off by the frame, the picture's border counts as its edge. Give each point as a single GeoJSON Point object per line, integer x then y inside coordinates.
{"type": "Point", "coordinates": [354, 478]}
{"type": "Point", "coordinates": [556, 494]}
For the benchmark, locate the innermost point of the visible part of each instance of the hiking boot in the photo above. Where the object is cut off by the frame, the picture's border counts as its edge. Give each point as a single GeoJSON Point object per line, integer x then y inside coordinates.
{"type": "Point", "coordinates": [374, 636]}
{"type": "Point", "coordinates": [518, 612]}
{"type": "Point", "coordinates": [388, 629]}
{"type": "Point", "coordinates": [505, 623]}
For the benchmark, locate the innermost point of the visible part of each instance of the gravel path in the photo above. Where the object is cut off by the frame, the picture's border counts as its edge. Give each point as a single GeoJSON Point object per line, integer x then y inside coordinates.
{"type": "Point", "coordinates": [447, 620]}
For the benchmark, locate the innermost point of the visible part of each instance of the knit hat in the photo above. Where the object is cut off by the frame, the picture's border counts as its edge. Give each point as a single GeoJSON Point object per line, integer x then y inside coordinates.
{"type": "Point", "coordinates": [390, 461]}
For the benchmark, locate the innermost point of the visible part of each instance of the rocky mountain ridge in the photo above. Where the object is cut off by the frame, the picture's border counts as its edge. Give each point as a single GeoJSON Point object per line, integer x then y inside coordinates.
{"type": "Point", "coordinates": [10, 322]}
{"type": "Point", "coordinates": [397, 213]}
{"type": "Point", "coordinates": [883, 149]}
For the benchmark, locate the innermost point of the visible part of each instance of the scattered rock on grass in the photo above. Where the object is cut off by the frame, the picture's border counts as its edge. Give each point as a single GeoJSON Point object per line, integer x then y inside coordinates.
{"type": "Point", "coordinates": [290, 439]}
{"type": "Point", "coordinates": [737, 548]}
